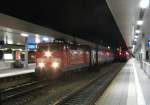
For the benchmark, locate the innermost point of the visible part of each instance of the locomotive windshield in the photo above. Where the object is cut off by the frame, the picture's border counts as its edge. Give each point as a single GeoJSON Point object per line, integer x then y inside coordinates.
{"type": "Point", "coordinates": [51, 47]}
{"type": "Point", "coordinates": [42, 48]}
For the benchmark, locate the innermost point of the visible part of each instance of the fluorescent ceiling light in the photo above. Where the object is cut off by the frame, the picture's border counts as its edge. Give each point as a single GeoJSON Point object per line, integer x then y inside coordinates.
{"type": "Point", "coordinates": [9, 41]}
{"type": "Point", "coordinates": [24, 35]}
{"type": "Point", "coordinates": [140, 22]}
{"type": "Point", "coordinates": [144, 4]}
{"type": "Point", "coordinates": [137, 31]}
{"type": "Point", "coordinates": [36, 35]}
{"type": "Point", "coordinates": [135, 40]}
{"type": "Point", "coordinates": [45, 39]}
{"type": "Point", "coordinates": [136, 36]}
{"type": "Point", "coordinates": [37, 38]}
{"type": "Point", "coordinates": [18, 44]}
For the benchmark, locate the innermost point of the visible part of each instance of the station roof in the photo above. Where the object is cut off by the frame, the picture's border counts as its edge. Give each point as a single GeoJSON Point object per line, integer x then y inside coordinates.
{"type": "Point", "coordinates": [13, 27]}
{"type": "Point", "coordinates": [87, 19]}
{"type": "Point", "coordinates": [126, 14]}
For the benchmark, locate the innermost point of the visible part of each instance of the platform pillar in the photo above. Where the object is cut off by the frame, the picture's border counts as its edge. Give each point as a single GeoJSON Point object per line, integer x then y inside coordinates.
{"type": "Point", "coordinates": [26, 53]}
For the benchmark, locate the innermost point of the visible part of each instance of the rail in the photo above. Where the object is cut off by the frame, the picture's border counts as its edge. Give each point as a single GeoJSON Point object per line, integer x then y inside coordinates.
{"type": "Point", "coordinates": [11, 93]}
{"type": "Point", "coordinates": [84, 96]}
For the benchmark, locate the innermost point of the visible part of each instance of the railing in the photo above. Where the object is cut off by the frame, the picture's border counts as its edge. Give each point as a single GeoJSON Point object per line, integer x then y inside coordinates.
{"type": "Point", "coordinates": [146, 67]}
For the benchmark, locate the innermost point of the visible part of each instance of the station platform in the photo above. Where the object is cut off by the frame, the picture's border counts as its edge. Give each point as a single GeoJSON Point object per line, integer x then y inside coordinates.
{"type": "Point", "coordinates": [130, 87]}
{"type": "Point", "coordinates": [13, 72]}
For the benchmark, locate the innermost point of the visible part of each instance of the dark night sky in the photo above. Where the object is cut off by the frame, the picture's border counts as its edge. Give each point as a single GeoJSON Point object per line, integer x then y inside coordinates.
{"type": "Point", "coordinates": [87, 19]}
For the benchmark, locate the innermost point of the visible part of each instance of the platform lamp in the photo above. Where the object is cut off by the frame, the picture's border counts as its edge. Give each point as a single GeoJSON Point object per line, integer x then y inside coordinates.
{"type": "Point", "coordinates": [26, 49]}
{"type": "Point", "coordinates": [144, 4]}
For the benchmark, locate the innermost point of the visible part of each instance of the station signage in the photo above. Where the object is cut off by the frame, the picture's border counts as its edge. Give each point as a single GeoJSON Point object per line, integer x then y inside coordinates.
{"type": "Point", "coordinates": [148, 43]}
{"type": "Point", "coordinates": [147, 35]}
{"type": "Point", "coordinates": [18, 55]}
{"type": "Point", "coordinates": [31, 46]}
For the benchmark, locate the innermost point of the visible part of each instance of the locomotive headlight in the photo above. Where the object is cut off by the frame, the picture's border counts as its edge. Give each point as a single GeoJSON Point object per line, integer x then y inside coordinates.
{"type": "Point", "coordinates": [41, 64]}
{"type": "Point", "coordinates": [48, 54]}
{"type": "Point", "coordinates": [55, 64]}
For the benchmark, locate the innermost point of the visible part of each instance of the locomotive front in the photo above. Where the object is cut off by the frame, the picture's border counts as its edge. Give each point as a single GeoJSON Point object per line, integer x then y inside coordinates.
{"type": "Point", "coordinates": [48, 59]}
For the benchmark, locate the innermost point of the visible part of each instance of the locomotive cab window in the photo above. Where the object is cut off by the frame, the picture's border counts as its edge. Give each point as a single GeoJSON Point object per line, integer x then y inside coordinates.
{"type": "Point", "coordinates": [54, 47]}
{"type": "Point", "coordinates": [51, 47]}
{"type": "Point", "coordinates": [42, 48]}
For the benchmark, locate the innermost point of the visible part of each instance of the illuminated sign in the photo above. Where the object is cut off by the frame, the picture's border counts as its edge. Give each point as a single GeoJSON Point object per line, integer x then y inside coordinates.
{"type": "Point", "coordinates": [148, 43]}
{"type": "Point", "coordinates": [18, 55]}
{"type": "Point", "coordinates": [8, 56]}
{"type": "Point", "coordinates": [31, 46]}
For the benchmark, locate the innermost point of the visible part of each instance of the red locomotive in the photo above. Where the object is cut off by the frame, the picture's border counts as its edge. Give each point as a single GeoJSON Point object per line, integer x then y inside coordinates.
{"type": "Point", "coordinates": [54, 58]}
{"type": "Point", "coordinates": [122, 56]}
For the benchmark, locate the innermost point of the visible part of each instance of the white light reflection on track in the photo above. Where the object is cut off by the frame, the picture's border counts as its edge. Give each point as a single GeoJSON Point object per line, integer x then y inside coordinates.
{"type": "Point", "coordinates": [140, 97]}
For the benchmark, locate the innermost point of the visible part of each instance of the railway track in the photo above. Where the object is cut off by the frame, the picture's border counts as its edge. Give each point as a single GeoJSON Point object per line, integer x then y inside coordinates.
{"type": "Point", "coordinates": [85, 95]}
{"type": "Point", "coordinates": [10, 95]}
{"type": "Point", "coordinates": [89, 93]}
{"type": "Point", "coordinates": [13, 81]}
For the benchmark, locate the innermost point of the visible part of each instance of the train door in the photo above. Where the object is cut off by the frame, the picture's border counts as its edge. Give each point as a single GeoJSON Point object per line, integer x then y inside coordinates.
{"type": "Point", "coordinates": [93, 57]}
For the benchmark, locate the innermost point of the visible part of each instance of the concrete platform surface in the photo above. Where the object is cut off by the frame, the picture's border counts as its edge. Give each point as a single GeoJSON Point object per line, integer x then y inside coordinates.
{"type": "Point", "coordinates": [130, 87]}
{"type": "Point", "coordinates": [12, 72]}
